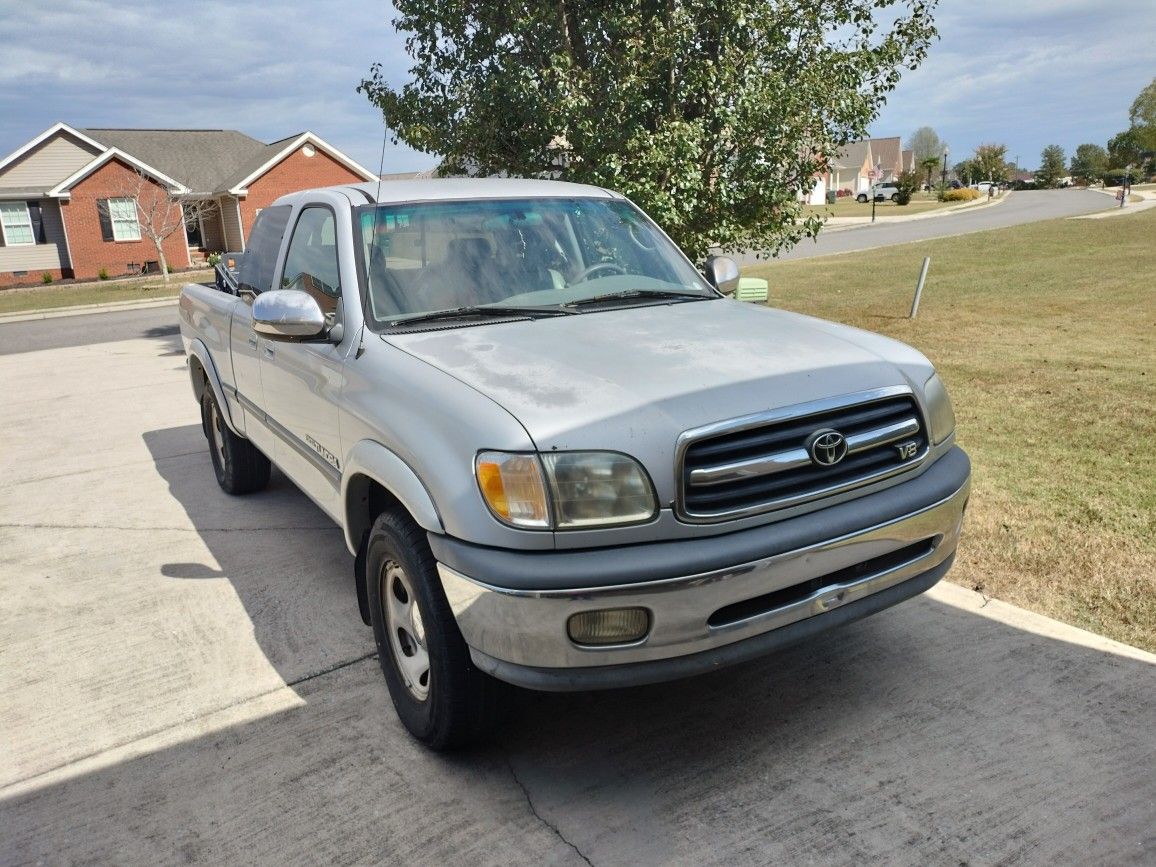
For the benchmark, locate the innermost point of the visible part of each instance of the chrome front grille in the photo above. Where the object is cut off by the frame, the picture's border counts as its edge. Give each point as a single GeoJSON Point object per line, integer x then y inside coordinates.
{"type": "Point", "coordinates": [763, 462]}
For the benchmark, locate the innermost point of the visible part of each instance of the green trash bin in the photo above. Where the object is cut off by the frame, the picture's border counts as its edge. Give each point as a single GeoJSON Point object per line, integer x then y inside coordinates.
{"type": "Point", "coordinates": [832, 197]}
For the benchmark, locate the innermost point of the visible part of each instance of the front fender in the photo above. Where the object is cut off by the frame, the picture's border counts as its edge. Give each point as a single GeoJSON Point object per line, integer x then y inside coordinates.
{"type": "Point", "coordinates": [204, 360]}
{"type": "Point", "coordinates": [368, 462]}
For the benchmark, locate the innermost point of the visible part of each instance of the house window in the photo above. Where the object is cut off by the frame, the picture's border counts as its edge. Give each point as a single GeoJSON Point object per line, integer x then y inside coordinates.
{"type": "Point", "coordinates": [122, 215]}
{"type": "Point", "coordinates": [16, 224]}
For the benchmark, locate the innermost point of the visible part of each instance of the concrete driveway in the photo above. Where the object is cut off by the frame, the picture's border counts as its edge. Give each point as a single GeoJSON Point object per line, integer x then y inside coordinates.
{"type": "Point", "coordinates": [184, 678]}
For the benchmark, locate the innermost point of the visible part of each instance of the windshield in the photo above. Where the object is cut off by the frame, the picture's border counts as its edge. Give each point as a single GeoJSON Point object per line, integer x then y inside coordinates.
{"type": "Point", "coordinates": [525, 254]}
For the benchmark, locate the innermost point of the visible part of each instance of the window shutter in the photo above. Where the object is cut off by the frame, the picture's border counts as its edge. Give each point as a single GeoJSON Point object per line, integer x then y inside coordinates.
{"type": "Point", "coordinates": [37, 220]}
{"type": "Point", "coordinates": [105, 219]}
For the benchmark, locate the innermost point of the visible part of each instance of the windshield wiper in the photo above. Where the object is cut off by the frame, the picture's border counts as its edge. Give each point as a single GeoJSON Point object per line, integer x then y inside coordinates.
{"type": "Point", "coordinates": [635, 294]}
{"type": "Point", "coordinates": [490, 310]}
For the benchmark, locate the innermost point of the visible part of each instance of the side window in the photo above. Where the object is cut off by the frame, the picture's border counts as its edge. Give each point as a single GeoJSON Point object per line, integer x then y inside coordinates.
{"type": "Point", "coordinates": [255, 273]}
{"type": "Point", "coordinates": [311, 263]}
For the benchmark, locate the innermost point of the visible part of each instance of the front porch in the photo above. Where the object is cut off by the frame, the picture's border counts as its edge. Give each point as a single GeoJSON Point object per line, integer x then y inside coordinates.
{"type": "Point", "coordinates": [215, 229]}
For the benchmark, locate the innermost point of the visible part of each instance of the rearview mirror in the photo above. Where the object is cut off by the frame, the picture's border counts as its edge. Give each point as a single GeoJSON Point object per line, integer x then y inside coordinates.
{"type": "Point", "coordinates": [288, 314]}
{"type": "Point", "coordinates": [723, 274]}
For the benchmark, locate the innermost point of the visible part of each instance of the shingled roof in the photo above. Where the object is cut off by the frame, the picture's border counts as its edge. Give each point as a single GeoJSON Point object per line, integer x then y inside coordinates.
{"type": "Point", "coordinates": [853, 155]}
{"type": "Point", "coordinates": [204, 160]}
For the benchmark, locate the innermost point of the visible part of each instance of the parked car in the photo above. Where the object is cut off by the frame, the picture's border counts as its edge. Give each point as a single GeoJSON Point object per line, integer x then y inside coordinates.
{"type": "Point", "coordinates": [881, 192]}
{"type": "Point", "coordinates": [561, 456]}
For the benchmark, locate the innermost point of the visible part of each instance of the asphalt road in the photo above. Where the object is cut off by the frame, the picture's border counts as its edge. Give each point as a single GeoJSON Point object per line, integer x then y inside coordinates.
{"type": "Point", "coordinates": [90, 329]}
{"type": "Point", "coordinates": [1020, 207]}
{"type": "Point", "coordinates": [184, 679]}
{"type": "Point", "coordinates": [1026, 206]}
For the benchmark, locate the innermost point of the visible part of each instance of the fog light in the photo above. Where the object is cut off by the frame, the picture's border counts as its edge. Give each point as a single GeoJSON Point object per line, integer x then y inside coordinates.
{"type": "Point", "coordinates": [610, 626]}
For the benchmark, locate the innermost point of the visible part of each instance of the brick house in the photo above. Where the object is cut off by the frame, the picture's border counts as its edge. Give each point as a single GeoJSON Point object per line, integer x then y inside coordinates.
{"type": "Point", "coordinates": [72, 200]}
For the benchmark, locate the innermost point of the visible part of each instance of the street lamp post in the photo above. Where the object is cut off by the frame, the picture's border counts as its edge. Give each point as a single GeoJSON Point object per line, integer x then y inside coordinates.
{"type": "Point", "coordinates": [877, 175]}
{"type": "Point", "coordinates": [943, 180]}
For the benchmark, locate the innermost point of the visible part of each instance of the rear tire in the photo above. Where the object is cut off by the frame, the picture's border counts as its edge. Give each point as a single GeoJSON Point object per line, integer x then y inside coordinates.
{"type": "Point", "coordinates": [240, 467]}
{"type": "Point", "coordinates": [861, 199]}
{"type": "Point", "coordinates": [442, 699]}
{"type": "Point", "coordinates": [895, 197]}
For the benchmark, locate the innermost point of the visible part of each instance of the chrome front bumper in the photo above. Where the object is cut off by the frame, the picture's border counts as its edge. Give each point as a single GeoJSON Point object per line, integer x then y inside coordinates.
{"type": "Point", "coordinates": [512, 629]}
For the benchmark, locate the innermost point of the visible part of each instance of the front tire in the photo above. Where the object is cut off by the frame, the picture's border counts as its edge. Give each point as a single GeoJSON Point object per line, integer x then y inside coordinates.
{"type": "Point", "coordinates": [861, 199]}
{"type": "Point", "coordinates": [239, 466]}
{"type": "Point", "coordinates": [442, 699]}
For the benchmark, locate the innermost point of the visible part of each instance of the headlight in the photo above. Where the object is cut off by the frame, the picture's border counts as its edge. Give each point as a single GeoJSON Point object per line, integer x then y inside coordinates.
{"type": "Point", "coordinates": [940, 415]}
{"type": "Point", "coordinates": [586, 489]}
{"type": "Point", "coordinates": [591, 489]}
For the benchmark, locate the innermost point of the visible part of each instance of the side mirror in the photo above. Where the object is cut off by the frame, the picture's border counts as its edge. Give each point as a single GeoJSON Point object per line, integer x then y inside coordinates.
{"type": "Point", "coordinates": [288, 314]}
{"type": "Point", "coordinates": [723, 274]}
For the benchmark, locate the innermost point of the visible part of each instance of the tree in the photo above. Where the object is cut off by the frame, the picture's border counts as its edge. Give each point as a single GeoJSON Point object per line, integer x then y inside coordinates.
{"type": "Point", "coordinates": [160, 210]}
{"type": "Point", "coordinates": [1052, 165]}
{"type": "Point", "coordinates": [1143, 110]}
{"type": "Point", "coordinates": [715, 118]}
{"type": "Point", "coordinates": [1125, 149]}
{"type": "Point", "coordinates": [1090, 162]}
{"type": "Point", "coordinates": [930, 164]}
{"type": "Point", "coordinates": [990, 162]}
{"type": "Point", "coordinates": [926, 144]}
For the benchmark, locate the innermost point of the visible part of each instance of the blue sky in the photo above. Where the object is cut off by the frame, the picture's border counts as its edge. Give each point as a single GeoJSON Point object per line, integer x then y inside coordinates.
{"type": "Point", "coordinates": [1026, 73]}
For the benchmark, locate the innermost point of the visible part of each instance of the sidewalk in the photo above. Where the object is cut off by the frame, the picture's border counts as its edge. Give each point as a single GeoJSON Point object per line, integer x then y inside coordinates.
{"type": "Point", "coordinates": [1147, 198]}
{"type": "Point", "coordinates": [835, 224]}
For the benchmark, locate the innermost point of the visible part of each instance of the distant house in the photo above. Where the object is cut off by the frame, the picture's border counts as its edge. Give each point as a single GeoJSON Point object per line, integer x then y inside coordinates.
{"type": "Point", "coordinates": [888, 157]}
{"type": "Point", "coordinates": [64, 208]}
{"type": "Point", "coordinates": [852, 167]}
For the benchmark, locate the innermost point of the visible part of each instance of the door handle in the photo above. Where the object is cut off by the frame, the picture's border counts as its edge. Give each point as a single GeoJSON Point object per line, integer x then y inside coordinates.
{"type": "Point", "coordinates": [270, 350]}
{"type": "Point", "coordinates": [252, 341]}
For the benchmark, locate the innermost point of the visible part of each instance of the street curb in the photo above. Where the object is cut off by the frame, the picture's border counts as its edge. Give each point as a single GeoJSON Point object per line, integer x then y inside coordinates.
{"type": "Point", "coordinates": [86, 309]}
{"type": "Point", "coordinates": [943, 212]}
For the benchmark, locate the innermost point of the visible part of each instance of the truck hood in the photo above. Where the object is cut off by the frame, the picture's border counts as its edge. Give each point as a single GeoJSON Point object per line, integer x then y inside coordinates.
{"type": "Point", "coordinates": [633, 379]}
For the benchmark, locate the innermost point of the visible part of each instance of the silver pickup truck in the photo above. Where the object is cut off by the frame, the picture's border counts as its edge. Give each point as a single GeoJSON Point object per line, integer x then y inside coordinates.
{"type": "Point", "coordinates": [562, 457]}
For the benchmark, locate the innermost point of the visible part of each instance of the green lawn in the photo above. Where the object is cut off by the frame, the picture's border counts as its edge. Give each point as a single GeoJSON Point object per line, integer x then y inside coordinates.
{"type": "Point", "coordinates": [848, 207]}
{"type": "Point", "coordinates": [1046, 337]}
{"type": "Point", "coordinates": [67, 295]}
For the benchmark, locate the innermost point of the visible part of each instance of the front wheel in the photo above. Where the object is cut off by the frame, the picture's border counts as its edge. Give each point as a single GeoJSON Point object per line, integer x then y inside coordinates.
{"type": "Point", "coordinates": [440, 696]}
{"type": "Point", "coordinates": [861, 199]}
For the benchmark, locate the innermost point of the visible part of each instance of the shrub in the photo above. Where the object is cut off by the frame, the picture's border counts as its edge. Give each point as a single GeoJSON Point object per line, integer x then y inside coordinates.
{"type": "Point", "coordinates": [213, 259]}
{"type": "Point", "coordinates": [905, 185]}
{"type": "Point", "coordinates": [46, 277]}
{"type": "Point", "coordinates": [102, 274]}
{"type": "Point", "coordinates": [966, 194]}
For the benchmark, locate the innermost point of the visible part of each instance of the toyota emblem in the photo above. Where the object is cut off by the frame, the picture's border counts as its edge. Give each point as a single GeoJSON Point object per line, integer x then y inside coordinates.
{"type": "Point", "coordinates": [827, 447]}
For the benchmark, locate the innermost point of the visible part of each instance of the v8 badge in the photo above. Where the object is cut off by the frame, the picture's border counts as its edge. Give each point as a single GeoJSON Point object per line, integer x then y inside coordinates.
{"type": "Point", "coordinates": [907, 450]}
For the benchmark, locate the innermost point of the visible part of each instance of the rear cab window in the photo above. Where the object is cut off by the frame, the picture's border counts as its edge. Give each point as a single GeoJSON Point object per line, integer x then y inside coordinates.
{"type": "Point", "coordinates": [255, 273]}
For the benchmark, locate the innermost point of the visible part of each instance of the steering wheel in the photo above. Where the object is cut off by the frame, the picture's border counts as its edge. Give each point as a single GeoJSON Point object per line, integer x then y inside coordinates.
{"type": "Point", "coordinates": [589, 272]}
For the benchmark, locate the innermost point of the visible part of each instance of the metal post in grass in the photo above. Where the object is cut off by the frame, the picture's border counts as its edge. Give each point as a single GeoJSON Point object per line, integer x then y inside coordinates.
{"type": "Point", "coordinates": [919, 286]}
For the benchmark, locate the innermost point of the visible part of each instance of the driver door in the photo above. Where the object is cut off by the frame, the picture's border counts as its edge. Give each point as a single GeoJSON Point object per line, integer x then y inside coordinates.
{"type": "Point", "coordinates": [302, 381]}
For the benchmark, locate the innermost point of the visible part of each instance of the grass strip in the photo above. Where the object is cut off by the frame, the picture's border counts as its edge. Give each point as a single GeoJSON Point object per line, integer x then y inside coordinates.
{"type": "Point", "coordinates": [68, 295]}
{"type": "Point", "coordinates": [1045, 335]}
